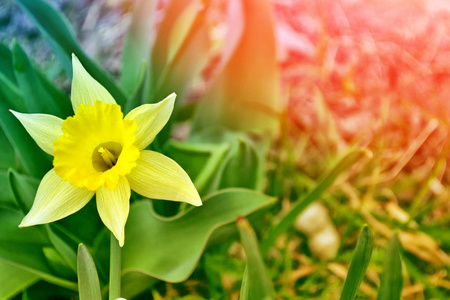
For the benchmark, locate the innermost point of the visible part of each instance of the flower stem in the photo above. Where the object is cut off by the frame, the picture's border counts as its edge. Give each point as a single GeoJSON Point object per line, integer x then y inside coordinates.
{"type": "Point", "coordinates": [114, 269]}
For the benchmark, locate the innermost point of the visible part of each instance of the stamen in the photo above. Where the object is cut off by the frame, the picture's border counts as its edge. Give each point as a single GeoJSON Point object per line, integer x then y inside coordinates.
{"type": "Point", "coordinates": [108, 157]}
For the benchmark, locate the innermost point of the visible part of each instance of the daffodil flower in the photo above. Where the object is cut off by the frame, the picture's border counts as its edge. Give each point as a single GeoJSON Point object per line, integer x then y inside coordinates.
{"type": "Point", "coordinates": [99, 151]}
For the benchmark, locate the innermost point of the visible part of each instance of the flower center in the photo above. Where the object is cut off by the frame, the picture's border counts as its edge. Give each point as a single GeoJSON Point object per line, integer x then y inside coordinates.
{"type": "Point", "coordinates": [105, 156]}
{"type": "Point", "coordinates": [96, 148]}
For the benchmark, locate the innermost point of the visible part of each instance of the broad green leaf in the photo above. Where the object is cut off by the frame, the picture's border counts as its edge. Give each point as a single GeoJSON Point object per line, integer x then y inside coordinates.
{"type": "Point", "coordinates": [88, 283]}
{"type": "Point", "coordinates": [137, 43]}
{"type": "Point", "coordinates": [241, 98]}
{"type": "Point", "coordinates": [134, 283]}
{"type": "Point", "coordinates": [6, 65]}
{"type": "Point", "coordinates": [327, 181]}
{"type": "Point", "coordinates": [37, 100]}
{"type": "Point", "coordinates": [14, 280]}
{"type": "Point", "coordinates": [23, 248]}
{"type": "Point", "coordinates": [391, 284]}
{"type": "Point", "coordinates": [256, 284]}
{"type": "Point", "coordinates": [358, 266]}
{"type": "Point", "coordinates": [35, 161]}
{"type": "Point", "coordinates": [57, 31]}
{"type": "Point", "coordinates": [169, 248]}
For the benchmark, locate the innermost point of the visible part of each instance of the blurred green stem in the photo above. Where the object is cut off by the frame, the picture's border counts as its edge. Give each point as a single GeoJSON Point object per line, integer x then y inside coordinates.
{"type": "Point", "coordinates": [114, 269]}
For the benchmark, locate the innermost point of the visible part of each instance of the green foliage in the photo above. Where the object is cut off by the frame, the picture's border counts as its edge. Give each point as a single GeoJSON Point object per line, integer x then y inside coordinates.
{"type": "Point", "coordinates": [392, 279]}
{"type": "Point", "coordinates": [328, 179]}
{"type": "Point", "coordinates": [358, 266]}
{"type": "Point", "coordinates": [88, 283]}
{"type": "Point", "coordinates": [56, 30]}
{"type": "Point", "coordinates": [256, 283]}
{"type": "Point", "coordinates": [180, 241]}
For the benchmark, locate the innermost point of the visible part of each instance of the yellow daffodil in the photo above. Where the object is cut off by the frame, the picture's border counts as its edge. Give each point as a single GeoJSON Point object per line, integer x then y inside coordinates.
{"type": "Point", "coordinates": [99, 151]}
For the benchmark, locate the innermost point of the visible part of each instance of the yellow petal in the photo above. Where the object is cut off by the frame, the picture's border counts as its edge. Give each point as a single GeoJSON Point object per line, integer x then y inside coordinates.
{"type": "Point", "coordinates": [55, 199]}
{"type": "Point", "coordinates": [86, 89]}
{"type": "Point", "coordinates": [150, 119]}
{"type": "Point", "coordinates": [44, 129]}
{"type": "Point", "coordinates": [159, 177]}
{"type": "Point", "coordinates": [113, 207]}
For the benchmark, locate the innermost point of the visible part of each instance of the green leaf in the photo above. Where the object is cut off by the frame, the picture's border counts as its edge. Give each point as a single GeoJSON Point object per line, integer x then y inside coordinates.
{"type": "Point", "coordinates": [417, 275]}
{"type": "Point", "coordinates": [327, 181]}
{"type": "Point", "coordinates": [57, 264]}
{"type": "Point", "coordinates": [24, 188]}
{"type": "Point", "coordinates": [37, 99]}
{"type": "Point", "coordinates": [358, 266]}
{"type": "Point", "coordinates": [7, 198]}
{"type": "Point", "coordinates": [6, 65]}
{"type": "Point", "coordinates": [9, 159]}
{"type": "Point", "coordinates": [137, 43]}
{"type": "Point", "coordinates": [244, 167]}
{"type": "Point", "coordinates": [201, 161]}
{"type": "Point", "coordinates": [66, 252]}
{"type": "Point", "coordinates": [57, 31]}
{"type": "Point", "coordinates": [22, 247]}
{"type": "Point", "coordinates": [256, 283]}
{"type": "Point", "coordinates": [88, 283]}
{"type": "Point", "coordinates": [11, 95]}
{"type": "Point", "coordinates": [169, 248]}
{"type": "Point", "coordinates": [14, 280]}
{"type": "Point", "coordinates": [35, 161]}
{"type": "Point", "coordinates": [134, 283]}
{"type": "Point", "coordinates": [391, 279]}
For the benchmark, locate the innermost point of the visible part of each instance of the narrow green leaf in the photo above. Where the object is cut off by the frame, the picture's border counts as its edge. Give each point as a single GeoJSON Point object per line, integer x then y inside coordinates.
{"type": "Point", "coordinates": [7, 199]}
{"type": "Point", "coordinates": [37, 99]}
{"type": "Point", "coordinates": [201, 161]}
{"type": "Point", "coordinates": [6, 65]}
{"type": "Point", "coordinates": [35, 161]}
{"type": "Point", "coordinates": [327, 181]}
{"type": "Point", "coordinates": [22, 247]}
{"type": "Point", "coordinates": [66, 252]}
{"type": "Point", "coordinates": [358, 266]}
{"type": "Point", "coordinates": [57, 31]}
{"type": "Point", "coordinates": [415, 273]}
{"type": "Point", "coordinates": [137, 43]}
{"type": "Point", "coordinates": [391, 279]}
{"type": "Point", "coordinates": [58, 97]}
{"type": "Point", "coordinates": [57, 264]}
{"type": "Point", "coordinates": [14, 280]}
{"type": "Point", "coordinates": [24, 189]}
{"type": "Point", "coordinates": [11, 95]}
{"type": "Point", "coordinates": [88, 283]}
{"type": "Point", "coordinates": [9, 159]}
{"type": "Point", "coordinates": [169, 248]}
{"type": "Point", "coordinates": [256, 283]}
{"type": "Point", "coordinates": [243, 160]}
